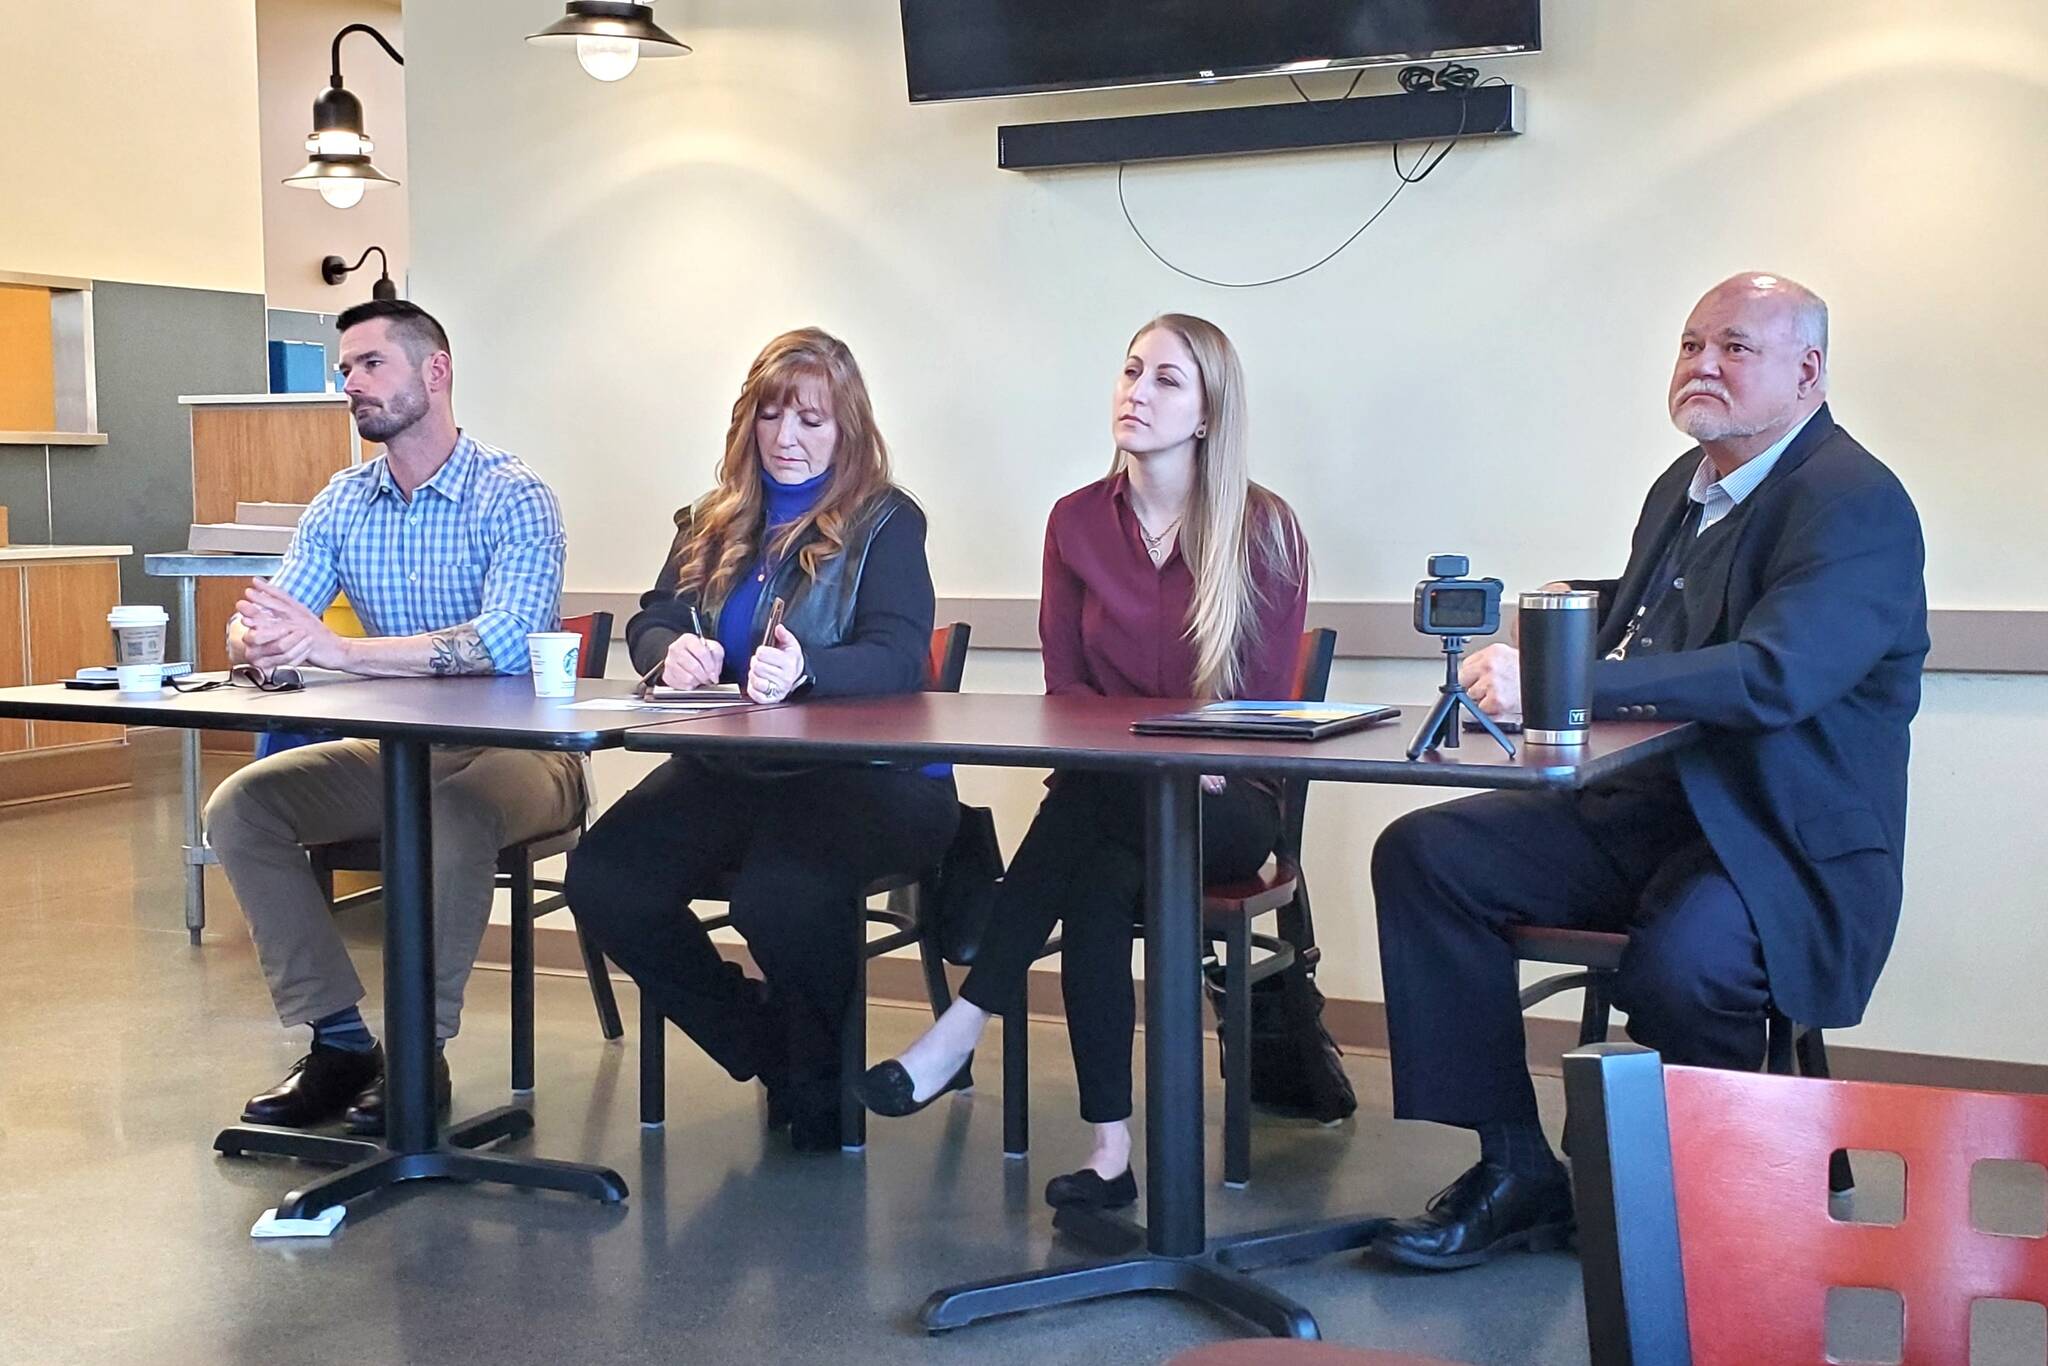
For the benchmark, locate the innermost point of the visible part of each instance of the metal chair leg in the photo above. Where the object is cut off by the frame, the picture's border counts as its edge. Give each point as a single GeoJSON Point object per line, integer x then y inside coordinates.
{"type": "Point", "coordinates": [1596, 1011]}
{"type": "Point", "coordinates": [520, 877]}
{"type": "Point", "coordinates": [853, 1060]}
{"type": "Point", "coordinates": [600, 986]}
{"type": "Point", "coordinates": [1016, 1077]}
{"type": "Point", "coordinates": [653, 1063]}
{"type": "Point", "coordinates": [1237, 1053]}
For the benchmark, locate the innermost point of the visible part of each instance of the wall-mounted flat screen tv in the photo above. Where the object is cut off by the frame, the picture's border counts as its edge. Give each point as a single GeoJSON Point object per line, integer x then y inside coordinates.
{"type": "Point", "coordinates": [971, 49]}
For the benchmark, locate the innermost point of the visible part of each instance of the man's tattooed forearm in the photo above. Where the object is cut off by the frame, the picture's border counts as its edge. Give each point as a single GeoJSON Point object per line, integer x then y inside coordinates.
{"type": "Point", "coordinates": [458, 650]}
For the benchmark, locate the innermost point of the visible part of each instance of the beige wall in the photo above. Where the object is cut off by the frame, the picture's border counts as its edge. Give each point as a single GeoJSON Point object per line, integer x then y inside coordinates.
{"type": "Point", "coordinates": [609, 258]}
{"type": "Point", "coordinates": [129, 142]}
{"type": "Point", "coordinates": [293, 44]}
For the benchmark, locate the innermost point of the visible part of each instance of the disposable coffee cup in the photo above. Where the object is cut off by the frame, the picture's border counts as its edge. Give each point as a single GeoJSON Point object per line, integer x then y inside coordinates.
{"type": "Point", "coordinates": [139, 647]}
{"type": "Point", "coordinates": [554, 662]}
{"type": "Point", "coordinates": [1557, 632]}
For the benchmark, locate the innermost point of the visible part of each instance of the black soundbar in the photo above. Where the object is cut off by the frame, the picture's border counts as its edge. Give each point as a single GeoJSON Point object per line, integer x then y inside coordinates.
{"type": "Point", "coordinates": [1489, 111]}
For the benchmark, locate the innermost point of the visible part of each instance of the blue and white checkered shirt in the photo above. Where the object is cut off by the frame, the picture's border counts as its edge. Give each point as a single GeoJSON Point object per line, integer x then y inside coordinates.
{"type": "Point", "coordinates": [481, 542]}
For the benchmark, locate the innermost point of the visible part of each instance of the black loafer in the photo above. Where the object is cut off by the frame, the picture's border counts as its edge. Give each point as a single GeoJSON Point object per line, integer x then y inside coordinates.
{"type": "Point", "coordinates": [886, 1088]}
{"type": "Point", "coordinates": [366, 1116]}
{"type": "Point", "coordinates": [1484, 1213]}
{"type": "Point", "coordinates": [317, 1090]}
{"type": "Point", "coordinates": [1086, 1189]}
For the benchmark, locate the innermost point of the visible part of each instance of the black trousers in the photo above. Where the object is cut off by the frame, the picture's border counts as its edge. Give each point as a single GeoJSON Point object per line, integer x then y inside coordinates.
{"type": "Point", "coordinates": [1449, 880]}
{"type": "Point", "coordinates": [1083, 863]}
{"type": "Point", "coordinates": [795, 850]}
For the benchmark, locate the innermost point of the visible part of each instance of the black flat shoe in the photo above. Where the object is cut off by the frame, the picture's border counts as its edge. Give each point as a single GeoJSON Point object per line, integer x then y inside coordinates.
{"type": "Point", "coordinates": [317, 1090]}
{"type": "Point", "coordinates": [366, 1116]}
{"type": "Point", "coordinates": [886, 1088]}
{"type": "Point", "coordinates": [1484, 1213]}
{"type": "Point", "coordinates": [1085, 1189]}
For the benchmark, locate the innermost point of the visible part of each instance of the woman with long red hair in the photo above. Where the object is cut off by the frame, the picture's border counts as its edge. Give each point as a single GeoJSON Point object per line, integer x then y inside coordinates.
{"type": "Point", "coordinates": [804, 514]}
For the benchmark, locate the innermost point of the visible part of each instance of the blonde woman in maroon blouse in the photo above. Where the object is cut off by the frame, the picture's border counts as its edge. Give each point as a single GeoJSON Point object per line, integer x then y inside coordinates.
{"type": "Point", "coordinates": [1174, 577]}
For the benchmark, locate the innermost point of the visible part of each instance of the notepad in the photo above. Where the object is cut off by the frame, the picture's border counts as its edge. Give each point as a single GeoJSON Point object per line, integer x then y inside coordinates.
{"type": "Point", "coordinates": [1268, 720]}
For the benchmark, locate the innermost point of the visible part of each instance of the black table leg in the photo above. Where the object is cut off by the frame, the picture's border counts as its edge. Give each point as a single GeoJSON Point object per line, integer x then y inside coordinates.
{"type": "Point", "coordinates": [1178, 1257]}
{"type": "Point", "coordinates": [412, 1150]}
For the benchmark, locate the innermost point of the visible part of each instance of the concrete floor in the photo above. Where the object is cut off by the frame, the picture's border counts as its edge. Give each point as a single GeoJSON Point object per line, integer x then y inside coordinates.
{"type": "Point", "coordinates": [124, 1238]}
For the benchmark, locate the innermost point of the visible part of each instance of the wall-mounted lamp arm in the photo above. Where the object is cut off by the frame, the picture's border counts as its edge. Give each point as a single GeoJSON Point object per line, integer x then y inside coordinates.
{"type": "Point", "coordinates": [383, 42]}
{"type": "Point", "coordinates": [334, 270]}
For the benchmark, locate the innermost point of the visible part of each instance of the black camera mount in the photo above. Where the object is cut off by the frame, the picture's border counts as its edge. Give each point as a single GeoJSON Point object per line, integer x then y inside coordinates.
{"type": "Point", "coordinates": [1445, 602]}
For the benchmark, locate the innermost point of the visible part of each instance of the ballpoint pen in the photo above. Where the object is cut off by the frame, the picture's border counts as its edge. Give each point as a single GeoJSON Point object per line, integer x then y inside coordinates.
{"type": "Point", "coordinates": [651, 680]}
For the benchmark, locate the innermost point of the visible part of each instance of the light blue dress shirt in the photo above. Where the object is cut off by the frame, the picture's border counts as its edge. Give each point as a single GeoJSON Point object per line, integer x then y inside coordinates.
{"type": "Point", "coordinates": [1718, 497]}
{"type": "Point", "coordinates": [479, 543]}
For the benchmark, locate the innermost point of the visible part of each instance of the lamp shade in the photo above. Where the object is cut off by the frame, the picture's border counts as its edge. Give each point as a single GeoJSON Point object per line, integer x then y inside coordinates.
{"type": "Point", "coordinates": [609, 37]}
{"type": "Point", "coordinates": [338, 163]}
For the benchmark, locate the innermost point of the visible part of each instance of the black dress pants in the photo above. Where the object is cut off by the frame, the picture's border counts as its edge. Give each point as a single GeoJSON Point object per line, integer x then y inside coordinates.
{"type": "Point", "coordinates": [796, 850]}
{"type": "Point", "coordinates": [1449, 880]}
{"type": "Point", "coordinates": [1083, 863]}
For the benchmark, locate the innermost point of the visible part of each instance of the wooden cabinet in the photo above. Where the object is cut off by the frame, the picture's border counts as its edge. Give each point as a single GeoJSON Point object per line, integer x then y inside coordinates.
{"type": "Point", "coordinates": [53, 622]}
{"type": "Point", "coordinates": [67, 605]}
{"type": "Point", "coordinates": [13, 653]}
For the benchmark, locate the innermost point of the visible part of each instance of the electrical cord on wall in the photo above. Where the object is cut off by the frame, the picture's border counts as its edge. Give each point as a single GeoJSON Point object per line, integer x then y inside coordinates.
{"type": "Point", "coordinates": [1414, 79]}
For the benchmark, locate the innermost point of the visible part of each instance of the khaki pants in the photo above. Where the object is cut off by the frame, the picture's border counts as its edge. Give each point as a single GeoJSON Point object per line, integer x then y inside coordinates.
{"type": "Point", "coordinates": [261, 819]}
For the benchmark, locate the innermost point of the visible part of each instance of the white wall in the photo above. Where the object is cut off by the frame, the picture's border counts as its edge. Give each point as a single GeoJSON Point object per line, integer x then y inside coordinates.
{"type": "Point", "coordinates": [609, 259]}
{"type": "Point", "coordinates": [128, 142]}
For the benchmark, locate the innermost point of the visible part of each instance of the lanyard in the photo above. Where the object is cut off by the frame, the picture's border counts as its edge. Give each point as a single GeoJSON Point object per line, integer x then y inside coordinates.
{"type": "Point", "coordinates": [1661, 582]}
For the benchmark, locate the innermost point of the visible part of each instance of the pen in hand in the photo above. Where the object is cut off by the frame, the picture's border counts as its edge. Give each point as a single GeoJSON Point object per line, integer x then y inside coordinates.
{"type": "Point", "coordinates": [651, 680]}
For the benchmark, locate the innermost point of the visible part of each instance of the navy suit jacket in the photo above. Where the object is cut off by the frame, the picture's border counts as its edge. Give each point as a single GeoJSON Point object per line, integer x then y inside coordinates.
{"type": "Point", "coordinates": [1803, 666]}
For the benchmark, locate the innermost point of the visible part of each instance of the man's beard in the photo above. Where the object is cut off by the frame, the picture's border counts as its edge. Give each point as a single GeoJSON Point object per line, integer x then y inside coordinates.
{"type": "Point", "coordinates": [387, 420]}
{"type": "Point", "coordinates": [1705, 424]}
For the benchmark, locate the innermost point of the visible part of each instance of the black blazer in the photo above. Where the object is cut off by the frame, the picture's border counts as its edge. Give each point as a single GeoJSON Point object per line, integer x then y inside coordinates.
{"type": "Point", "coordinates": [1803, 663]}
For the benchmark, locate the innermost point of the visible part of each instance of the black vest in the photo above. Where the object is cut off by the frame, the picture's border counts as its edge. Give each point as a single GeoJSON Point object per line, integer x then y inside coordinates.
{"type": "Point", "coordinates": [818, 611]}
{"type": "Point", "coordinates": [1692, 557]}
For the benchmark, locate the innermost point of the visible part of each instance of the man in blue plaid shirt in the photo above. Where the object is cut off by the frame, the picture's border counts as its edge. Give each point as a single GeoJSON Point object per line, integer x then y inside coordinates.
{"type": "Point", "coordinates": [450, 551]}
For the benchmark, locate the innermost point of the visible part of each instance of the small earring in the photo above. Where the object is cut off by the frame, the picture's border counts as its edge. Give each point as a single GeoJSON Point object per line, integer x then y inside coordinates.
{"type": "Point", "coordinates": [1201, 433]}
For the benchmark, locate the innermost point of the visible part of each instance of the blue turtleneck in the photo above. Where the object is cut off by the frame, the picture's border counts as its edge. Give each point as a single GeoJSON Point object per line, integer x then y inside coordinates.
{"type": "Point", "coordinates": [786, 503]}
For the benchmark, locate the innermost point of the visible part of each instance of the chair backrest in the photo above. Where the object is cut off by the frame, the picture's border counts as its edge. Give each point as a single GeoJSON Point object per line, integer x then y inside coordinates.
{"type": "Point", "coordinates": [949, 657]}
{"type": "Point", "coordinates": [1311, 684]}
{"type": "Point", "coordinates": [1705, 1234]}
{"type": "Point", "coordinates": [596, 630]}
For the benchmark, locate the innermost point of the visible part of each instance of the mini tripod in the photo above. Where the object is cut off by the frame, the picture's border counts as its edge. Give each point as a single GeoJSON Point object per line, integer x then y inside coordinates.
{"type": "Point", "coordinates": [1440, 729]}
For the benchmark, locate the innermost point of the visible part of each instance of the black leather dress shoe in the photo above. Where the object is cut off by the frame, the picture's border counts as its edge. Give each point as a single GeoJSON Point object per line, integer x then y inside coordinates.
{"type": "Point", "coordinates": [1487, 1211]}
{"type": "Point", "coordinates": [366, 1116]}
{"type": "Point", "coordinates": [317, 1090]}
{"type": "Point", "coordinates": [886, 1088]}
{"type": "Point", "coordinates": [1086, 1189]}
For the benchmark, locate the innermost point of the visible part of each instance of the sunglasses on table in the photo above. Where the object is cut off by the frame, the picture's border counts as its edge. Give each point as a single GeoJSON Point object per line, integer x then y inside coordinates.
{"type": "Point", "coordinates": [243, 676]}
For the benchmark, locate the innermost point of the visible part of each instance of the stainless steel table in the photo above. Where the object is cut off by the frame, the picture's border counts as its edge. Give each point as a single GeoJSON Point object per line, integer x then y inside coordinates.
{"type": "Point", "coordinates": [188, 567]}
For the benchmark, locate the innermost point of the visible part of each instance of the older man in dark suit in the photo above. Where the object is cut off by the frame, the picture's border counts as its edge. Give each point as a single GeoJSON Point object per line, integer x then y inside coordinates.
{"type": "Point", "coordinates": [1773, 594]}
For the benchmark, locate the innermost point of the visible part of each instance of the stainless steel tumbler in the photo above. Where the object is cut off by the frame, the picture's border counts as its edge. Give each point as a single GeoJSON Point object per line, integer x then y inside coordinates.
{"type": "Point", "coordinates": [1557, 666]}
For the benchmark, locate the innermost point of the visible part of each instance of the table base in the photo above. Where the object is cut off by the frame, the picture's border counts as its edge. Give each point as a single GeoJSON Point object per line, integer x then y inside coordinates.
{"type": "Point", "coordinates": [368, 1166]}
{"type": "Point", "coordinates": [1216, 1278]}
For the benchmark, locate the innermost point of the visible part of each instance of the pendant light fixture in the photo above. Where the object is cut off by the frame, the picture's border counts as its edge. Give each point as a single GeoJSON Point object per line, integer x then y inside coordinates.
{"type": "Point", "coordinates": [339, 164]}
{"type": "Point", "coordinates": [609, 36]}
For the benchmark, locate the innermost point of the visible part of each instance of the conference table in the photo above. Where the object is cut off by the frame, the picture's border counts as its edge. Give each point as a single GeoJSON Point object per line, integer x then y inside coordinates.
{"type": "Point", "coordinates": [406, 717]}
{"type": "Point", "coordinates": [1017, 731]}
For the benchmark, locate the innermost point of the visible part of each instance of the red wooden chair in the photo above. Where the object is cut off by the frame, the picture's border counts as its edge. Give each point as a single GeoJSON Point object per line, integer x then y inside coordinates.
{"type": "Point", "coordinates": [948, 663]}
{"type": "Point", "coordinates": [1228, 910]}
{"type": "Point", "coordinates": [1705, 1234]}
{"type": "Point", "coordinates": [515, 873]}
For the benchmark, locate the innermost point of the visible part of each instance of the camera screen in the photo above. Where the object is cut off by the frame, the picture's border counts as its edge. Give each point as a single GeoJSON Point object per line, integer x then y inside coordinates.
{"type": "Point", "coordinates": [1458, 607]}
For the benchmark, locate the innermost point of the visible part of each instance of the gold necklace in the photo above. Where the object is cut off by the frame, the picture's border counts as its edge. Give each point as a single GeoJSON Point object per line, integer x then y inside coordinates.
{"type": "Point", "coordinates": [1153, 543]}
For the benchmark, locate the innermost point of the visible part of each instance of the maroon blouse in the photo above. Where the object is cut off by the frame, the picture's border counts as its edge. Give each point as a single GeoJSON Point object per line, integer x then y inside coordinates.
{"type": "Point", "coordinates": [1113, 624]}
